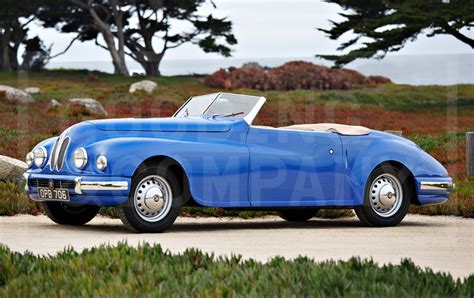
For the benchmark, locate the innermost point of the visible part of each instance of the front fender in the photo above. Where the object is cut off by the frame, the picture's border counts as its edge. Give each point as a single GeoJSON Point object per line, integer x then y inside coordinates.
{"type": "Point", "coordinates": [48, 145]}
{"type": "Point", "coordinates": [363, 163]}
{"type": "Point", "coordinates": [125, 155]}
{"type": "Point", "coordinates": [217, 168]}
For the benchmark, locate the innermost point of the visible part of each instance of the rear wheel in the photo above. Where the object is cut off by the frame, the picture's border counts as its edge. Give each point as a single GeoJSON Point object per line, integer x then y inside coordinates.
{"type": "Point", "coordinates": [152, 205]}
{"type": "Point", "coordinates": [64, 214]}
{"type": "Point", "coordinates": [387, 197]}
{"type": "Point", "coordinates": [298, 215]}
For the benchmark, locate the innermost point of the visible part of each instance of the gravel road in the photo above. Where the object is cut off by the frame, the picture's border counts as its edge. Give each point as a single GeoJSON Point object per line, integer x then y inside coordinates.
{"type": "Point", "coordinates": [441, 243]}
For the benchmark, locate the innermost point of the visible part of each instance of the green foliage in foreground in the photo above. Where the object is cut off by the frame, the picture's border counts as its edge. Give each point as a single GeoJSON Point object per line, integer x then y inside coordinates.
{"type": "Point", "coordinates": [13, 200]}
{"type": "Point", "coordinates": [427, 143]}
{"type": "Point", "coordinates": [149, 271]}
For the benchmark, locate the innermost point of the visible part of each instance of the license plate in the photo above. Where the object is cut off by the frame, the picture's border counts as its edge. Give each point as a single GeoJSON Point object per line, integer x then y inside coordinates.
{"type": "Point", "coordinates": [53, 194]}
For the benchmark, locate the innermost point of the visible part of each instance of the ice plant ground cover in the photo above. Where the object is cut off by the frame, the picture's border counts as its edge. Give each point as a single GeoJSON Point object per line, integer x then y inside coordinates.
{"type": "Point", "coordinates": [147, 270]}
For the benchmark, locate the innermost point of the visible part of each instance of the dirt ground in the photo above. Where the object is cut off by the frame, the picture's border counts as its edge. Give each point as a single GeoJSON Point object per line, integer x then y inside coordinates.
{"type": "Point", "coordinates": [442, 243]}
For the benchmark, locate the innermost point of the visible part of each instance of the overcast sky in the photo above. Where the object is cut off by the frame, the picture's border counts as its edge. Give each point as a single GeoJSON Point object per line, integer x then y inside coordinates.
{"type": "Point", "coordinates": [263, 29]}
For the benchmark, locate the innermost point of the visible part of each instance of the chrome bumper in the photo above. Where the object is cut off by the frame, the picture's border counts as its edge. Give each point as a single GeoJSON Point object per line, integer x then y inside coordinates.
{"type": "Point", "coordinates": [435, 185]}
{"type": "Point", "coordinates": [98, 185]}
{"type": "Point", "coordinates": [80, 186]}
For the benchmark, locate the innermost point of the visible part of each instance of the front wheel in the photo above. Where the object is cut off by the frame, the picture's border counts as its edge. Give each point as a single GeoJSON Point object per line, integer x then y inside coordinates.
{"type": "Point", "coordinates": [151, 207]}
{"type": "Point", "coordinates": [64, 214]}
{"type": "Point", "coordinates": [387, 197]}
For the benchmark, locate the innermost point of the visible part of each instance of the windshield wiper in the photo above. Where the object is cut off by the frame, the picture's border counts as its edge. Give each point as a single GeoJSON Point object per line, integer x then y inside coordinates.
{"type": "Point", "coordinates": [228, 115]}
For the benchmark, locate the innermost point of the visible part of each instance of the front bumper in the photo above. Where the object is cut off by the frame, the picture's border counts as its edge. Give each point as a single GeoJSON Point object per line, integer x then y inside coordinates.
{"type": "Point", "coordinates": [433, 190]}
{"type": "Point", "coordinates": [80, 185]}
{"type": "Point", "coordinates": [93, 190]}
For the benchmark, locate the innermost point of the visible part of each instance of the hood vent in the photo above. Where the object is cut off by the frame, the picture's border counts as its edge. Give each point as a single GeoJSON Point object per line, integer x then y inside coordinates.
{"type": "Point", "coordinates": [59, 151]}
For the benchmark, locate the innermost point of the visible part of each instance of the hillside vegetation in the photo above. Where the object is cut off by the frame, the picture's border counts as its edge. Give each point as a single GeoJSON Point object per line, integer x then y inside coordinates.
{"type": "Point", "coordinates": [435, 117]}
{"type": "Point", "coordinates": [291, 76]}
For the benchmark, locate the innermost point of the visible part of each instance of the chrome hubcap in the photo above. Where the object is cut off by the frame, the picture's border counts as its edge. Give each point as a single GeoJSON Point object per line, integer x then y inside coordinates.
{"type": "Point", "coordinates": [153, 198]}
{"type": "Point", "coordinates": [386, 195]}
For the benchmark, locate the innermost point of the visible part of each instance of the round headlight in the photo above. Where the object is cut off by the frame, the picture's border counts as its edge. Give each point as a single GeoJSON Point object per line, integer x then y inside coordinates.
{"type": "Point", "coordinates": [80, 158]}
{"type": "Point", "coordinates": [40, 156]}
{"type": "Point", "coordinates": [101, 162]}
{"type": "Point", "coordinates": [30, 157]}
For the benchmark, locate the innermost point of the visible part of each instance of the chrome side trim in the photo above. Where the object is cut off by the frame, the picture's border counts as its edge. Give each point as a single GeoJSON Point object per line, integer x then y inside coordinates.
{"type": "Point", "coordinates": [98, 185]}
{"type": "Point", "coordinates": [432, 185]}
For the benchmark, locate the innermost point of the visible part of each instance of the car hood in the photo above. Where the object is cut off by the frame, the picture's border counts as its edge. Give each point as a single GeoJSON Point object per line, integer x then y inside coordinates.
{"type": "Point", "coordinates": [163, 124]}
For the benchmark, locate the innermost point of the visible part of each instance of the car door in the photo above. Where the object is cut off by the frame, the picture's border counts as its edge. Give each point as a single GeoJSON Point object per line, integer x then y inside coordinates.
{"type": "Point", "coordinates": [294, 168]}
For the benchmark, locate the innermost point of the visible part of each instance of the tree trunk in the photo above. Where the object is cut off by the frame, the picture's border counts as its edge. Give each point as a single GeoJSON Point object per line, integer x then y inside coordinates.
{"type": "Point", "coordinates": [6, 51]}
{"type": "Point", "coordinates": [145, 56]}
{"type": "Point", "coordinates": [152, 64]}
{"type": "Point", "coordinates": [120, 67]}
{"type": "Point", "coordinates": [153, 60]}
{"type": "Point", "coordinates": [151, 68]}
{"type": "Point", "coordinates": [18, 35]}
{"type": "Point", "coordinates": [14, 56]}
{"type": "Point", "coordinates": [117, 59]}
{"type": "Point", "coordinates": [1, 54]}
{"type": "Point", "coordinates": [118, 14]}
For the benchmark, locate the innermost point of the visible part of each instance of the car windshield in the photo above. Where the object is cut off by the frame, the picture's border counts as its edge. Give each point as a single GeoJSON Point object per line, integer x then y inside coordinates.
{"type": "Point", "coordinates": [221, 104]}
{"type": "Point", "coordinates": [196, 105]}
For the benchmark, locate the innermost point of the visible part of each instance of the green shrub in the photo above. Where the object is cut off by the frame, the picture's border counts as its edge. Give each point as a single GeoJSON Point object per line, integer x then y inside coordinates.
{"type": "Point", "coordinates": [13, 200]}
{"type": "Point", "coordinates": [460, 203]}
{"type": "Point", "coordinates": [427, 143]}
{"type": "Point", "coordinates": [109, 211]}
{"type": "Point", "coordinates": [334, 213]}
{"type": "Point", "coordinates": [149, 271]}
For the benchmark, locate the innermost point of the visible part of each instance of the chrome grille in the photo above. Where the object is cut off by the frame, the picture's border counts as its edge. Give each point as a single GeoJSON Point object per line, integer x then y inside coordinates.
{"type": "Point", "coordinates": [62, 152]}
{"type": "Point", "coordinates": [42, 182]}
{"type": "Point", "coordinates": [59, 151]}
{"type": "Point", "coordinates": [53, 154]}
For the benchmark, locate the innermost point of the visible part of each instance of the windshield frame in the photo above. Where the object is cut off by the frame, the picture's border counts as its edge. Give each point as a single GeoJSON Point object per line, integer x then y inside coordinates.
{"type": "Point", "coordinates": [248, 118]}
{"type": "Point", "coordinates": [190, 98]}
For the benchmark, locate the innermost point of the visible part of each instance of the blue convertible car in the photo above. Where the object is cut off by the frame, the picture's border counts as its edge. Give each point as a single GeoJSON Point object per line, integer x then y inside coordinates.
{"type": "Point", "coordinates": [210, 154]}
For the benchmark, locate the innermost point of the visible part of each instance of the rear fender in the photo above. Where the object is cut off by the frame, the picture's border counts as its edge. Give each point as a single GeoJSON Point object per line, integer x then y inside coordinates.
{"type": "Point", "coordinates": [364, 162]}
